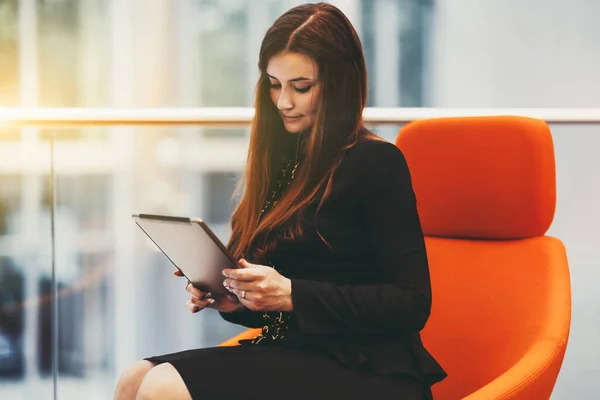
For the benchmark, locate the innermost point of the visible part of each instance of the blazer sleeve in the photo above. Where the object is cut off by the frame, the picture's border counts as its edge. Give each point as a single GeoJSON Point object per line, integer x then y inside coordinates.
{"type": "Point", "coordinates": [401, 301]}
{"type": "Point", "coordinates": [245, 317]}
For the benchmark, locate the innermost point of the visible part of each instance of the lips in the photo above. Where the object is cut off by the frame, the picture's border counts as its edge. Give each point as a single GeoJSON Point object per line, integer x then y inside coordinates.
{"type": "Point", "coordinates": [290, 118]}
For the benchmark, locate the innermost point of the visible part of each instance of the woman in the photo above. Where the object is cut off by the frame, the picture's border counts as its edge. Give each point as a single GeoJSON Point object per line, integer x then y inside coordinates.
{"type": "Point", "coordinates": [327, 230]}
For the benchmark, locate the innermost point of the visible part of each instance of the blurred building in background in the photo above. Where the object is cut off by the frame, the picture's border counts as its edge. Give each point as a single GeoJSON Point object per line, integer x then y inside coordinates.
{"type": "Point", "coordinates": [118, 300]}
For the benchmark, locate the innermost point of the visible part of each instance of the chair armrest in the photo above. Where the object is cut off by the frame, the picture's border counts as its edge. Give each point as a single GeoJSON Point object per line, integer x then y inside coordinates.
{"type": "Point", "coordinates": [532, 377]}
{"type": "Point", "coordinates": [247, 334]}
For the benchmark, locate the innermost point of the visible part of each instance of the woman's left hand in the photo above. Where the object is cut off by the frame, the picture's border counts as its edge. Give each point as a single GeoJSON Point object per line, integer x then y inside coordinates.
{"type": "Point", "coordinates": [259, 287]}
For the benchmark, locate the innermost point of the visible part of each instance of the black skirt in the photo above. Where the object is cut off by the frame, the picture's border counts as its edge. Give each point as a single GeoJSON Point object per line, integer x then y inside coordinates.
{"type": "Point", "coordinates": [276, 372]}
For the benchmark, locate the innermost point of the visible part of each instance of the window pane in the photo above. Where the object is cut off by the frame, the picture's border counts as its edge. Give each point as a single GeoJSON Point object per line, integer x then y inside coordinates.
{"type": "Point", "coordinates": [9, 53]}
{"type": "Point", "coordinates": [218, 196]}
{"type": "Point", "coordinates": [9, 63]}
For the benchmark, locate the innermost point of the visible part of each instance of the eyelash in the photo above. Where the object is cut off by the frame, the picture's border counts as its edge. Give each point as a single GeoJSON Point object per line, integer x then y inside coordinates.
{"type": "Point", "coordinates": [299, 90]}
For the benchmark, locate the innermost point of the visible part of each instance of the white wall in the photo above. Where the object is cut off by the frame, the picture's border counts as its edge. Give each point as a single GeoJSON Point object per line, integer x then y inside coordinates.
{"type": "Point", "coordinates": [512, 53]}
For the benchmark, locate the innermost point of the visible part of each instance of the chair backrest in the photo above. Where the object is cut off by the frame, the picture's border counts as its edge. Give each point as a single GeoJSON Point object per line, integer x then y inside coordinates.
{"type": "Point", "coordinates": [486, 195]}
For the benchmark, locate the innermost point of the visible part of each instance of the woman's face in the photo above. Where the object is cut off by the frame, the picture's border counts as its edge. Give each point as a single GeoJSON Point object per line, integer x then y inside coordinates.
{"type": "Point", "coordinates": [295, 89]}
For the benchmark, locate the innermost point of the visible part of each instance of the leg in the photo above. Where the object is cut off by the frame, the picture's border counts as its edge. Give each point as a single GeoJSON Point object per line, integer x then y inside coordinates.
{"type": "Point", "coordinates": [131, 379]}
{"type": "Point", "coordinates": [163, 382]}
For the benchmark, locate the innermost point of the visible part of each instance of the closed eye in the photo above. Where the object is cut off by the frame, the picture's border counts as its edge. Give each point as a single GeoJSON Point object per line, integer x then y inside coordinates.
{"type": "Point", "coordinates": [303, 89]}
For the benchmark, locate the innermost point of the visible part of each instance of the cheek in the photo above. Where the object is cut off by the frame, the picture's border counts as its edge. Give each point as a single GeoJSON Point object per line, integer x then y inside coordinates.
{"type": "Point", "coordinates": [315, 101]}
{"type": "Point", "coordinates": [274, 96]}
{"type": "Point", "coordinates": [314, 105]}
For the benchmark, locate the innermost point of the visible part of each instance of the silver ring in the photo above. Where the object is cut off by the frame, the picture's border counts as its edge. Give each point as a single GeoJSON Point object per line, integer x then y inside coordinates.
{"type": "Point", "coordinates": [243, 294]}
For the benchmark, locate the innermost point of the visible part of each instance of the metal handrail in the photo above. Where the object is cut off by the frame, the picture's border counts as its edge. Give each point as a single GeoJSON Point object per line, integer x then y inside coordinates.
{"type": "Point", "coordinates": [242, 116]}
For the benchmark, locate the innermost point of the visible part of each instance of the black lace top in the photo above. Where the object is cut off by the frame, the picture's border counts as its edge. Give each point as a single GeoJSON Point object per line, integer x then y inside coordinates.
{"type": "Point", "coordinates": [276, 324]}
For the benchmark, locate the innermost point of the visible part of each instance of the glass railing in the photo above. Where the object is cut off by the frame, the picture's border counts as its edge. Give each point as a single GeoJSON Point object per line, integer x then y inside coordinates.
{"type": "Point", "coordinates": [83, 293]}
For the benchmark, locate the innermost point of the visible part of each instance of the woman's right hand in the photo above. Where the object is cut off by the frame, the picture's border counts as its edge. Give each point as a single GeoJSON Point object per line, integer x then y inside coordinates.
{"type": "Point", "coordinates": [200, 300]}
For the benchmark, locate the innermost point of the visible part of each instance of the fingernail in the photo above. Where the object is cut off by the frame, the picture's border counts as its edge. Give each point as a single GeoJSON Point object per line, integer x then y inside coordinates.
{"type": "Point", "coordinates": [207, 296]}
{"type": "Point", "coordinates": [211, 301]}
{"type": "Point", "coordinates": [226, 283]}
{"type": "Point", "coordinates": [224, 273]}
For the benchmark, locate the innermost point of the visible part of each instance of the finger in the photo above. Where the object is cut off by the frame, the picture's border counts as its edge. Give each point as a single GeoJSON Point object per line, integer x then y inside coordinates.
{"type": "Point", "coordinates": [202, 303]}
{"type": "Point", "coordinates": [243, 263]}
{"type": "Point", "coordinates": [247, 295]}
{"type": "Point", "coordinates": [192, 307]}
{"type": "Point", "coordinates": [246, 264]}
{"type": "Point", "coordinates": [246, 274]}
{"type": "Point", "coordinates": [250, 304]}
{"type": "Point", "coordinates": [177, 273]}
{"type": "Point", "coordinates": [240, 285]}
{"type": "Point", "coordinates": [195, 292]}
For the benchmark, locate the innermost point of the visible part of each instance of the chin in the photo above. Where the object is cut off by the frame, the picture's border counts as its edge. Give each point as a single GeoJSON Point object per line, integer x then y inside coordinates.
{"type": "Point", "coordinates": [292, 128]}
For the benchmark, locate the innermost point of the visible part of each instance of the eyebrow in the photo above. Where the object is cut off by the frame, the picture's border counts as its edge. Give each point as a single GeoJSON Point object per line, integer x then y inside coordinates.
{"type": "Point", "coordinates": [300, 78]}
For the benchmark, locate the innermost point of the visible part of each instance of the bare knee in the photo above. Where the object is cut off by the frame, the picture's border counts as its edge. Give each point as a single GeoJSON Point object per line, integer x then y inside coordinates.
{"type": "Point", "coordinates": [163, 382]}
{"type": "Point", "coordinates": [131, 379]}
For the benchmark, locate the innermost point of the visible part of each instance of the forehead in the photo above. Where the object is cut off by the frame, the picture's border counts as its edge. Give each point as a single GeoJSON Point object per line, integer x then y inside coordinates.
{"type": "Point", "coordinates": [289, 65]}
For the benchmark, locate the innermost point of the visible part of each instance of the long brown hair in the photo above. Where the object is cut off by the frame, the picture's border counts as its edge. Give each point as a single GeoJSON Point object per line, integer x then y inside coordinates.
{"type": "Point", "coordinates": [323, 33]}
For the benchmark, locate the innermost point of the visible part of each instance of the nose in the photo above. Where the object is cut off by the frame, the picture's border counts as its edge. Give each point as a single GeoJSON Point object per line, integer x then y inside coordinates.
{"type": "Point", "coordinates": [284, 102]}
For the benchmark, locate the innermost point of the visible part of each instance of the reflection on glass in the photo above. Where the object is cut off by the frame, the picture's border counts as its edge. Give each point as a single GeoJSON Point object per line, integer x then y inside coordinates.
{"type": "Point", "coordinates": [72, 135]}
{"type": "Point", "coordinates": [10, 135]}
{"type": "Point", "coordinates": [9, 58]}
{"type": "Point", "coordinates": [12, 294]}
{"type": "Point", "coordinates": [25, 276]}
{"type": "Point", "coordinates": [71, 36]}
{"type": "Point", "coordinates": [101, 257]}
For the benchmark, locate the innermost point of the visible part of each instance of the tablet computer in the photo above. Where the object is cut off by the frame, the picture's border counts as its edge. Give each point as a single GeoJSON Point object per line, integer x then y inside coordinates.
{"type": "Point", "coordinates": [192, 247]}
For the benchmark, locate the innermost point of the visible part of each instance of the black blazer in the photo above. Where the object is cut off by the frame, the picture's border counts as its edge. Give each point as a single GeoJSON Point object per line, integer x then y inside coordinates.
{"type": "Point", "coordinates": [364, 299]}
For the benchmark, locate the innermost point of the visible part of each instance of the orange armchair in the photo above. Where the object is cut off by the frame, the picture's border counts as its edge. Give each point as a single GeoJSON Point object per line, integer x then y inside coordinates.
{"type": "Point", "coordinates": [247, 334]}
{"type": "Point", "coordinates": [501, 311]}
